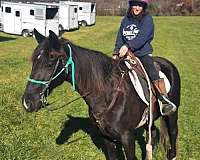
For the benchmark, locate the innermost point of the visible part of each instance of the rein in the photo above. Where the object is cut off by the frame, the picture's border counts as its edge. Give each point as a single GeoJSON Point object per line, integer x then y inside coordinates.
{"type": "Point", "coordinates": [70, 61]}
{"type": "Point", "coordinates": [116, 93]}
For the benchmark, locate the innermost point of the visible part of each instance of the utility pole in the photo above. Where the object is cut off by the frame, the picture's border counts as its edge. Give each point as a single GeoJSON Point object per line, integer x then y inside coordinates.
{"type": "Point", "coordinates": [192, 6]}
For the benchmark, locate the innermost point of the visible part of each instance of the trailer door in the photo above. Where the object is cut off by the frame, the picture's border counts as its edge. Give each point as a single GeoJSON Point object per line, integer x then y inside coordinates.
{"type": "Point", "coordinates": [17, 22]}
{"type": "Point", "coordinates": [73, 18]}
{"type": "Point", "coordinates": [8, 19]}
{"type": "Point", "coordinates": [52, 21]}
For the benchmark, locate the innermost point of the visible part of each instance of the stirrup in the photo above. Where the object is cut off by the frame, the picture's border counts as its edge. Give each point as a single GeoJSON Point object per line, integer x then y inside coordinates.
{"type": "Point", "coordinates": [165, 102]}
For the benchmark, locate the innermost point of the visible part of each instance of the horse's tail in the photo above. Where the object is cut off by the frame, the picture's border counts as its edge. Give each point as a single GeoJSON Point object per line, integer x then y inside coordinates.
{"type": "Point", "coordinates": [164, 137]}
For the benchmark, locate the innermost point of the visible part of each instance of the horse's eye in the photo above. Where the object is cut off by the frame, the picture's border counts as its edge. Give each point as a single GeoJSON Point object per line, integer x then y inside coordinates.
{"type": "Point", "coordinates": [51, 57]}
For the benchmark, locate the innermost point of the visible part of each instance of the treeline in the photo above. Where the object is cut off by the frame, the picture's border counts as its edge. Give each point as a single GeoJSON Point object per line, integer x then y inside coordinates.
{"type": "Point", "coordinates": [156, 7]}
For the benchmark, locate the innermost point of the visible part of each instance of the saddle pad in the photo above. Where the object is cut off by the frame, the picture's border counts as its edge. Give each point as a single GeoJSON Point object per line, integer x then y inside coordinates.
{"type": "Point", "coordinates": [141, 87]}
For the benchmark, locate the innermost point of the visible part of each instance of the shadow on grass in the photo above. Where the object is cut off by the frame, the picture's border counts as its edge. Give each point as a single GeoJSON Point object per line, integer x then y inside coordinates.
{"type": "Point", "coordinates": [3, 39]}
{"type": "Point", "coordinates": [74, 124]}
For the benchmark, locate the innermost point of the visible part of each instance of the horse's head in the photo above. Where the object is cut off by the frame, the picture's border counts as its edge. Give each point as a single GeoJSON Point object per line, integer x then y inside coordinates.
{"type": "Point", "coordinates": [48, 70]}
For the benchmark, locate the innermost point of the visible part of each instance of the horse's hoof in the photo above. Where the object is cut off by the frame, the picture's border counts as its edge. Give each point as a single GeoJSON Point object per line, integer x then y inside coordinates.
{"type": "Point", "coordinates": [171, 155]}
{"type": "Point", "coordinates": [172, 158]}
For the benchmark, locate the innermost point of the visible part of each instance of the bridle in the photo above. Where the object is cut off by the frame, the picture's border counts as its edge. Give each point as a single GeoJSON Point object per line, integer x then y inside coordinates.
{"type": "Point", "coordinates": [43, 96]}
{"type": "Point", "coordinates": [47, 83]}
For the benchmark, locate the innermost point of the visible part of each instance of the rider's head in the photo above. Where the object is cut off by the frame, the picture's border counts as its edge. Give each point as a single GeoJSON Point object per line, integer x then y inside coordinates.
{"type": "Point", "coordinates": [138, 6]}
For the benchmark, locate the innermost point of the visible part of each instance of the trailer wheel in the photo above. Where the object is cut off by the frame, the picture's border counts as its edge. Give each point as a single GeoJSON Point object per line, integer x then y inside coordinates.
{"type": "Point", "coordinates": [25, 33]}
{"type": "Point", "coordinates": [1, 26]}
{"type": "Point", "coordinates": [60, 29]}
{"type": "Point", "coordinates": [83, 23]}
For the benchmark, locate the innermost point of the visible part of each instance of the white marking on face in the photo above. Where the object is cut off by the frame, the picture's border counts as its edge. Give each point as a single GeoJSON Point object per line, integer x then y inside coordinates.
{"type": "Point", "coordinates": [39, 57]}
{"type": "Point", "coordinates": [25, 105]}
{"type": "Point", "coordinates": [41, 52]}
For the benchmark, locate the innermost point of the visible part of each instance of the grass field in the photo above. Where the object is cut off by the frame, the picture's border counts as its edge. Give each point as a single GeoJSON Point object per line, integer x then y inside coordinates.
{"type": "Point", "coordinates": [25, 136]}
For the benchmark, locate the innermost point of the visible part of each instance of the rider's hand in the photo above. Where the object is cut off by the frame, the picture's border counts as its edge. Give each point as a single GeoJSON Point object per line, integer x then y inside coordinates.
{"type": "Point", "coordinates": [123, 50]}
{"type": "Point", "coordinates": [115, 57]}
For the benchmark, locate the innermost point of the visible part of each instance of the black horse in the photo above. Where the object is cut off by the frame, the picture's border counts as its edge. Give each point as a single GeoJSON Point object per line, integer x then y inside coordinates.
{"type": "Point", "coordinates": [97, 78]}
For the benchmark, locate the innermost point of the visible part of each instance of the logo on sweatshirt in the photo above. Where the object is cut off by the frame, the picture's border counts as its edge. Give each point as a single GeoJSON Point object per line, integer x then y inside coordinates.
{"type": "Point", "coordinates": [130, 32]}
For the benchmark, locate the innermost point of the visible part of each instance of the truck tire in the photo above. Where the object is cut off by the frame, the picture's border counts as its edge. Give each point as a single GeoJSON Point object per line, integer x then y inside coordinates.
{"type": "Point", "coordinates": [60, 29]}
{"type": "Point", "coordinates": [83, 23]}
{"type": "Point", "coordinates": [25, 33]}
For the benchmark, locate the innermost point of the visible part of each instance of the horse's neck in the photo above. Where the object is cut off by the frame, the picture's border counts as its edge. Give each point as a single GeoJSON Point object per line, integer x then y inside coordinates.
{"type": "Point", "coordinates": [89, 71]}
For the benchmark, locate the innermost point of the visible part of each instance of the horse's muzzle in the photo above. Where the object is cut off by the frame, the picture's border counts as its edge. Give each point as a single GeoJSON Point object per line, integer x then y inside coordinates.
{"type": "Point", "coordinates": [30, 106]}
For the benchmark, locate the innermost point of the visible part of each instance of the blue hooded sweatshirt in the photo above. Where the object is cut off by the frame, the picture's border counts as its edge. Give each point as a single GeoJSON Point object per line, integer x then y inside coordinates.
{"type": "Point", "coordinates": [136, 34]}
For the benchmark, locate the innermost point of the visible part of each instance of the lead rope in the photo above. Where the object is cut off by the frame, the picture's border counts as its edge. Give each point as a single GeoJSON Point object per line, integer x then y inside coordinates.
{"type": "Point", "coordinates": [148, 145]}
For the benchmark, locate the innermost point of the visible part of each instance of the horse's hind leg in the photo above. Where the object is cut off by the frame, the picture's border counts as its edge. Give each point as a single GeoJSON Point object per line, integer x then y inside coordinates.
{"type": "Point", "coordinates": [172, 128]}
{"type": "Point", "coordinates": [173, 134]}
{"type": "Point", "coordinates": [128, 143]}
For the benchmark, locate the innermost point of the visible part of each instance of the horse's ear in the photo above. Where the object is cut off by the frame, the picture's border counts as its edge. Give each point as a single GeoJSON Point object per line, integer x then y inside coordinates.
{"type": "Point", "coordinates": [39, 37]}
{"type": "Point", "coordinates": [54, 40]}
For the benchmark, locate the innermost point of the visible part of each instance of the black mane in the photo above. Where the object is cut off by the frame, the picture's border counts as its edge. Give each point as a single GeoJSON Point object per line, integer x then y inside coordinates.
{"type": "Point", "coordinates": [88, 63]}
{"type": "Point", "coordinates": [93, 64]}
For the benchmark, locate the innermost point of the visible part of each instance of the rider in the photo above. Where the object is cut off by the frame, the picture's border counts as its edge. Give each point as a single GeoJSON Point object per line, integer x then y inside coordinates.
{"type": "Point", "coordinates": [135, 34]}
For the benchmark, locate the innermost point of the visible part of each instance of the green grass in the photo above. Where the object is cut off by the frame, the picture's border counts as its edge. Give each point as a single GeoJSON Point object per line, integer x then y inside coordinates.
{"type": "Point", "coordinates": [25, 136]}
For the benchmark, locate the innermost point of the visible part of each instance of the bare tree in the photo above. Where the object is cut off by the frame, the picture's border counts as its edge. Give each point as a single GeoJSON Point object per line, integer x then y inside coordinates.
{"type": "Point", "coordinates": [156, 7]}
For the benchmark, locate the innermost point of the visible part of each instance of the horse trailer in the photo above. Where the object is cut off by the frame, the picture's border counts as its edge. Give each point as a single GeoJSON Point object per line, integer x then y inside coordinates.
{"type": "Point", "coordinates": [86, 12]}
{"type": "Point", "coordinates": [22, 18]}
{"type": "Point", "coordinates": [1, 25]}
{"type": "Point", "coordinates": [68, 15]}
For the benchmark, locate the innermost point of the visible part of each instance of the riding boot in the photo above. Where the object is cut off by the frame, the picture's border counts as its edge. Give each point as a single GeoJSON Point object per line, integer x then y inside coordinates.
{"type": "Point", "coordinates": [166, 106]}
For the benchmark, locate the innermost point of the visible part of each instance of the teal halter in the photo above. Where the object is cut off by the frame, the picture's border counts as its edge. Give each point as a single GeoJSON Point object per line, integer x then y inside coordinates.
{"type": "Point", "coordinates": [69, 62]}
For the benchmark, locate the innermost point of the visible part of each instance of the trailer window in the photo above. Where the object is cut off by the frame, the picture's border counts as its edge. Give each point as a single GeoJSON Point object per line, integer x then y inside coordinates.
{"type": "Point", "coordinates": [75, 10]}
{"type": "Point", "coordinates": [92, 8]}
{"type": "Point", "coordinates": [8, 10]}
{"type": "Point", "coordinates": [39, 13]}
{"type": "Point", "coordinates": [51, 13]}
{"type": "Point", "coordinates": [17, 13]}
{"type": "Point", "coordinates": [32, 12]}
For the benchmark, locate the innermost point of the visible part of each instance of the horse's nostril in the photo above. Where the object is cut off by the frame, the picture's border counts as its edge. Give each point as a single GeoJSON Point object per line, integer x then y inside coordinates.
{"type": "Point", "coordinates": [31, 105]}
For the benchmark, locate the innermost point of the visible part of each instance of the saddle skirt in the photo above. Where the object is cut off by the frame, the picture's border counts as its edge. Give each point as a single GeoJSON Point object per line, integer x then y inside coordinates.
{"type": "Point", "coordinates": [140, 83]}
{"type": "Point", "coordinates": [140, 79]}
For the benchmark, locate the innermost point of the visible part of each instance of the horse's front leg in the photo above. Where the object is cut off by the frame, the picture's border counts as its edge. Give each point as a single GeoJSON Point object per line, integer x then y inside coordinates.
{"type": "Point", "coordinates": [128, 143]}
{"type": "Point", "coordinates": [110, 150]}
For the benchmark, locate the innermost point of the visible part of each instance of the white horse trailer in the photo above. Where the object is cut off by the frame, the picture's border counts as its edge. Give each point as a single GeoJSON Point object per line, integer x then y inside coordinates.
{"type": "Point", "coordinates": [1, 25]}
{"type": "Point", "coordinates": [86, 12]}
{"type": "Point", "coordinates": [68, 15]}
{"type": "Point", "coordinates": [22, 18]}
